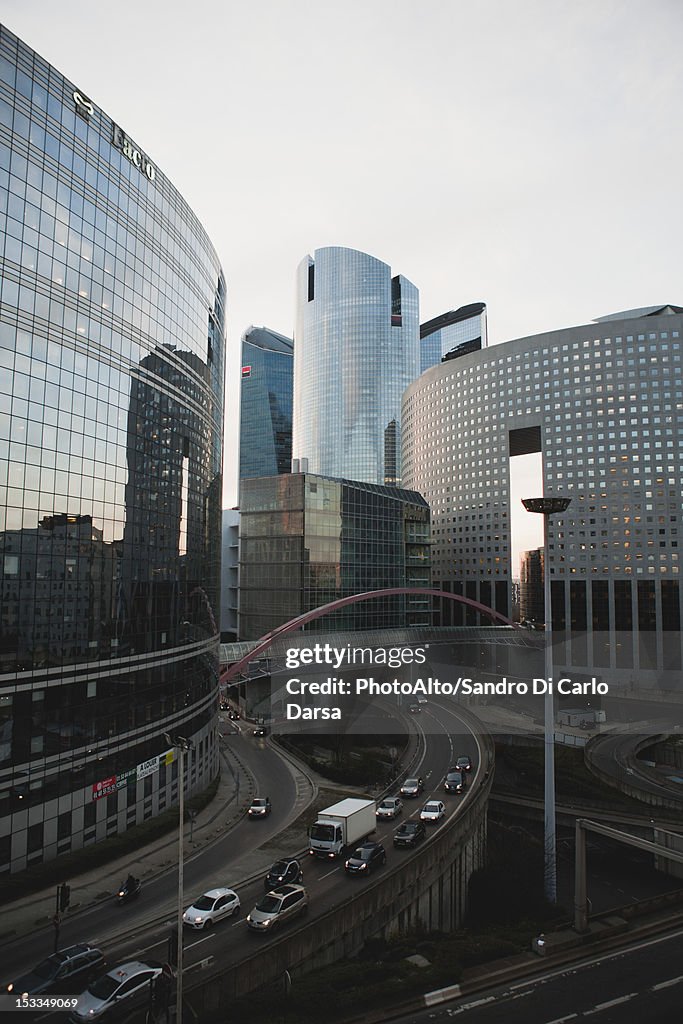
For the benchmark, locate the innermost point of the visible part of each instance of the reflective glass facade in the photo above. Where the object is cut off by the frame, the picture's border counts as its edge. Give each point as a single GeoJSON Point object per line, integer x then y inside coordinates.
{"type": "Point", "coordinates": [308, 540]}
{"type": "Point", "coordinates": [112, 365]}
{"type": "Point", "coordinates": [356, 350]}
{"type": "Point", "coordinates": [266, 403]}
{"type": "Point", "coordinates": [452, 332]}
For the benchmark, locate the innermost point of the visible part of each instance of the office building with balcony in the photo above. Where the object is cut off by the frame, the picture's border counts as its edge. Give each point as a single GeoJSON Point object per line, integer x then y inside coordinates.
{"type": "Point", "coordinates": [307, 540]}
{"type": "Point", "coordinates": [112, 365]}
{"type": "Point", "coordinates": [266, 403]}
{"type": "Point", "coordinates": [356, 348]}
{"type": "Point", "coordinates": [603, 404]}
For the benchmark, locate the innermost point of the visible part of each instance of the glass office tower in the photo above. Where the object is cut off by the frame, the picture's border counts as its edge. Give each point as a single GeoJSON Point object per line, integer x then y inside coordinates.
{"type": "Point", "coordinates": [453, 334]}
{"type": "Point", "coordinates": [356, 350]}
{"type": "Point", "coordinates": [266, 403]}
{"type": "Point", "coordinates": [112, 364]}
{"type": "Point", "coordinates": [307, 540]}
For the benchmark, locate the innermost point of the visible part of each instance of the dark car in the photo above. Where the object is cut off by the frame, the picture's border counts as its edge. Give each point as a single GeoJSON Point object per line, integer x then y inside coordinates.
{"type": "Point", "coordinates": [463, 764]}
{"type": "Point", "coordinates": [365, 859]}
{"type": "Point", "coordinates": [409, 833]}
{"type": "Point", "coordinates": [234, 715]}
{"type": "Point", "coordinates": [282, 872]}
{"type": "Point", "coordinates": [455, 782]}
{"type": "Point", "coordinates": [412, 787]}
{"type": "Point", "coordinates": [67, 970]}
{"type": "Point", "coordinates": [260, 730]}
{"type": "Point", "coordinates": [414, 709]}
{"type": "Point", "coordinates": [260, 807]}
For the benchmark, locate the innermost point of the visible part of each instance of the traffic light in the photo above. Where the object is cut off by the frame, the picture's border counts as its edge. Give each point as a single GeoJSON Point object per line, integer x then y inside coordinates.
{"type": "Point", "coordinates": [64, 897]}
{"type": "Point", "coordinates": [173, 947]}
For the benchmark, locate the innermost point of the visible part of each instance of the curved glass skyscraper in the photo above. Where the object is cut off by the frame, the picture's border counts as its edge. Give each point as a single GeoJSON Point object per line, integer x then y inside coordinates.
{"type": "Point", "coordinates": [356, 349]}
{"type": "Point", "coordinates": [111, 364]}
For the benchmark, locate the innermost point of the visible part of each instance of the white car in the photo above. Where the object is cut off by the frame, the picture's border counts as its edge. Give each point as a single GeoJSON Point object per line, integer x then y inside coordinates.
{"type": "Point", "coordinates": [390, 807]}
{"type": "Point", "coordinates": [121, 990]}
{"type": "Point", "coordinates": [213, 906]}
{"type": "Point", "coordinates": [433, 811]}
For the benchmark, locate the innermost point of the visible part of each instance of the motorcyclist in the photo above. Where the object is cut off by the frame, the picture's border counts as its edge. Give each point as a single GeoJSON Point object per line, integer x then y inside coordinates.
{"type": "Point", "coordinates": [131, 883]}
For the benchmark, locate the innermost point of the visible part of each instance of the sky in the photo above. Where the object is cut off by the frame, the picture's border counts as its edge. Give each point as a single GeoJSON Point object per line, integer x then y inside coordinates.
{"type": "Point", "coordinates": [526, 154]}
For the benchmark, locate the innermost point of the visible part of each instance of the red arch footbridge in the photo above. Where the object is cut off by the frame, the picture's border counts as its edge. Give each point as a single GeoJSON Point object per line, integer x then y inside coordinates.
{"type": "Point", "coordinates": [301, 620]}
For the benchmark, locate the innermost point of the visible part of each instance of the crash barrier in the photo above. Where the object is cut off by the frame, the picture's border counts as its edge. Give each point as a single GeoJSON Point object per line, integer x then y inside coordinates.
{"type": "Point", "coordinates": [427, 890]}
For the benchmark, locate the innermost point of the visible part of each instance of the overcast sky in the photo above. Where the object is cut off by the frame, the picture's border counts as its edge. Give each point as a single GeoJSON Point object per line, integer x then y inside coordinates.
{"type": "Point", "coordinates": [526, 153]}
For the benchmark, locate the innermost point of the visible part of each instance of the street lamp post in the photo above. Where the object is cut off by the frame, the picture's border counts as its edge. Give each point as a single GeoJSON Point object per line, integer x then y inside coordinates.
{"type": "Point", "coordinates": [548, 507]}
{"type": "Point", "coordinates": [183, 746]}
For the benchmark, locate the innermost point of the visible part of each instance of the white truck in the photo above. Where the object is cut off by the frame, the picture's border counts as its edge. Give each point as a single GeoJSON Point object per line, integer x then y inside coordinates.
{"type": "Point", "coordinates": [341, 826]}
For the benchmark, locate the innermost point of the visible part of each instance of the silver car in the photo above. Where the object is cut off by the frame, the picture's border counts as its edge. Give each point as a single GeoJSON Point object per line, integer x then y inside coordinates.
{"type": "Point", "coordinates": [278, 906]}
{"type": "Point", "coordinates": [124, 987]}
{"type": "Point", "coordinates": [390, 807]}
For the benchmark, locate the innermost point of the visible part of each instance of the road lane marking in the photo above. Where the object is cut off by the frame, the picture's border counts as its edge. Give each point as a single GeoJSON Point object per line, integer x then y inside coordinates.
{"type": "Point", "coordinates": [610, 1002]}
{"type": "Point", "coordinates": [601, 958]}
{"type": "Point", "coordinates": [329, 873]}
{"type": "Point", "coordinates": [197, 943]}
{"type": "Point", "coordinates": [667, 984]}
{"type": "Point", "coordinates": [563, 1020]}
{"type": "Point", "coordinates": [440, 995]}
{"type": "Point", "coordinates": [161, 942]}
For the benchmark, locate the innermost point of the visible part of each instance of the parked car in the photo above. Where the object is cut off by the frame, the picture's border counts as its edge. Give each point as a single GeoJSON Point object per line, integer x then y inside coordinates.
{"type": "Point", "coordinates": [282, 872]}
{"type": "Point", "coordinates": [260, 730]}
{"type": "Point", "coordinates": [260, 807]}
{"type": "Point", "coordinates": [126, 987]}
{"type": "Point", "coordinates": [412, 787]}
{"type": "Point", "coordinates": [455, 782]}
{"type": "Point", "coordinates": [277, 907]}
{"type": "Point", "coordinates": [463, 764]}
{"type": "Point", "coordinates": [409, 833]}
{"type": "Point", "coordinates": [389, 808]}
{"type": "Point", "coordinates": [365, 859]}
{"type": "Point", "coordinates": [433, 811]}
{"type": "Point", "coordinates": [213, 906]}
{"type": "Point", "coordinates": [67, 970]}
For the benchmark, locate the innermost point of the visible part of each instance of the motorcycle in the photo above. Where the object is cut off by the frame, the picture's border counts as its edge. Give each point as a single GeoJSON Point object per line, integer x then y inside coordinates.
{"type": "Point", "coordinates": [129, 891]}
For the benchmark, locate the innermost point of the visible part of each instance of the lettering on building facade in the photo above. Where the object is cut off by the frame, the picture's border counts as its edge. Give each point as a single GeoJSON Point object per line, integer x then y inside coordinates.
{"type": "Point", "coordinates": [130, 150]}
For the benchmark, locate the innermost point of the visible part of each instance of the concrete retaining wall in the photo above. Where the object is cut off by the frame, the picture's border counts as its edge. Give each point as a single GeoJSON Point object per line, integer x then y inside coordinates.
{"type": "Point", "coordinates": [429, 890]}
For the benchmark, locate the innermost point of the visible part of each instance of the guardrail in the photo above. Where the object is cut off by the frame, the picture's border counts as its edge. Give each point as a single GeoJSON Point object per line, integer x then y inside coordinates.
{"type": "Point", "coordinates": [429, 890]}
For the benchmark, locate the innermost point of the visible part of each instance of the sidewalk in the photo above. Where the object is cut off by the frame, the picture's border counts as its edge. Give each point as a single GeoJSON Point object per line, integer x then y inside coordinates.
{"type": "Point", "coordinates": [226, 809]}
{"type": "Point", "coordinates": [95, 886]}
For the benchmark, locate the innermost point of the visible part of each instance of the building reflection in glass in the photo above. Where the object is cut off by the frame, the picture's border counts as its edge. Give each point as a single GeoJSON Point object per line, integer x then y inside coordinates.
{"type": "Point", "coordinates": [112, 362]}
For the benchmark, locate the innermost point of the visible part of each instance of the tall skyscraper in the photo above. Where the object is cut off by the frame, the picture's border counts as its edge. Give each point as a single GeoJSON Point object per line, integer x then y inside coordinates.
{"type": "Point", "coordinates": [266, 403]}
{"type": "Point", "coordinates": [111, 366]}
{"type": "Point", "coordinates": [356, 348]}
{"type": "Point", "coordinates": [452, 334]}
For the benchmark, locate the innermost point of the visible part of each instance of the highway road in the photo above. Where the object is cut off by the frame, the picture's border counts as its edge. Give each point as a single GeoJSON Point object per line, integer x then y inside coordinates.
{"type": "Point", "coordinates": [325, 880]}
{"type": "Point", "coordinates": [209, 868]}
{"type": "Point", "coordinates": [640, 985]}
{"type": "Point", "coordinates": [613, 753]}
